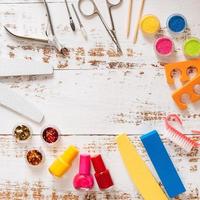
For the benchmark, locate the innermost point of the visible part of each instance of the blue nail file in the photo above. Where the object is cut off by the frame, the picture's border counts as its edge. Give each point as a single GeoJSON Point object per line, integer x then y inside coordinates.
{"type": "Point", "coordinates": [163, 164]}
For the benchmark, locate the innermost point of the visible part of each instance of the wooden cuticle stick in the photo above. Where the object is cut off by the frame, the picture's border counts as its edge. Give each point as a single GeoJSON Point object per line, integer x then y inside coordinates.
{"type": "Point", "coordinates": [138, 22]}
{"type": "Point", "coordinates": [129, 17]}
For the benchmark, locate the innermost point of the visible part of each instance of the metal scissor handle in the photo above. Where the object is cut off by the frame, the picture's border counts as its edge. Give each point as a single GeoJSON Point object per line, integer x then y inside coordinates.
{"type": "Point", "coordinates": [111, 4]}
{"type": "Point", "coordinates": [94, 12]}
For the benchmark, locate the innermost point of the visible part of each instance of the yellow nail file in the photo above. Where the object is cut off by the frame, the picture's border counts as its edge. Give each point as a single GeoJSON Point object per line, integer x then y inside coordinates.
{"type": "Point", "coordinates": [138, 171]}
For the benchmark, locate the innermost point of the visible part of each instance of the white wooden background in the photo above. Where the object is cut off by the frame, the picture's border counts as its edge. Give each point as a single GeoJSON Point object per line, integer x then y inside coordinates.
{"type": "Point", "coordinates": [93, 95]}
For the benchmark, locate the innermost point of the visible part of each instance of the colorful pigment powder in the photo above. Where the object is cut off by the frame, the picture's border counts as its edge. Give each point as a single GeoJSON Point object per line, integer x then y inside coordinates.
{"type": "Point", "coordinates": [150, 24]}
{"type": "Point", "coordinates": [164, 46]}
{"type": "Point", "coordinates": [191, 47]}
{"type": "Point", "coordinates": [176, 23]}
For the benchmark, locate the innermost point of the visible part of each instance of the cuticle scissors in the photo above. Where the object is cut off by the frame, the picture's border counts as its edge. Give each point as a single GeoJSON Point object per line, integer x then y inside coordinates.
{"type": "Point", "coordinates": [51, 37]}
{"type": "Point", "coordinates": [111, 31]}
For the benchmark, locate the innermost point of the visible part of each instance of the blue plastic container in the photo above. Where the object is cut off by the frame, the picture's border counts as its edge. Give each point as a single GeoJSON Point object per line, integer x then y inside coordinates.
{"type": "Point", "coordinates": [176, 23]}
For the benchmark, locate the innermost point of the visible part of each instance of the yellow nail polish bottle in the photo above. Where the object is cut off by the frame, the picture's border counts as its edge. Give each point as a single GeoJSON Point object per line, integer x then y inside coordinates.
{"type": "Point", "coordinates": [62, 164]}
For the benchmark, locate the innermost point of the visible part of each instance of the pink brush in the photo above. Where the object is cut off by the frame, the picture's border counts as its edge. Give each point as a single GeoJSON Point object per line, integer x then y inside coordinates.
{"type": "Point", "coordinates": [177, 136]}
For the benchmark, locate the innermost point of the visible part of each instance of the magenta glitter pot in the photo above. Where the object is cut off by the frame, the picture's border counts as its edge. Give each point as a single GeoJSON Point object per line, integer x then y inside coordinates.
{"type": "Point", "coordinates": [50, 135]}
{"type": "Point", "coordinates": [164, 46]}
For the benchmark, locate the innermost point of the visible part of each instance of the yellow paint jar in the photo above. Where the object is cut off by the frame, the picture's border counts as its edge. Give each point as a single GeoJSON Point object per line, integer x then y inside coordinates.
{"type": "Point", "coordinates": [63, 162]}
{"type": "Point", "coordinates": [150, 24]}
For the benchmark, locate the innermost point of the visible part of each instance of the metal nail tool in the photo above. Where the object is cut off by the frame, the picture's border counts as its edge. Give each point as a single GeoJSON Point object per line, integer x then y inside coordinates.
{"type": "Point", "coordinates": [111, 31]}
{"type": "Point", "coordinates": [84, 33]}
{"type": "Point", "coordinates": [51, 36]}
{"type": "Point", "coordinates": [70, 17]}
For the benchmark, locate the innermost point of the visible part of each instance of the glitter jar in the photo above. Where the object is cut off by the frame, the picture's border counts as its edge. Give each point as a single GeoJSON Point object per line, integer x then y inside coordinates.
{"type": "Point", "coordinates": [164, 46]}
{"type": "Point", "coordinates": [50, 135]}
{"type": "Point", "coordinates": [34, 157]}
{"type": "Point", "coordinates": [22, 133]}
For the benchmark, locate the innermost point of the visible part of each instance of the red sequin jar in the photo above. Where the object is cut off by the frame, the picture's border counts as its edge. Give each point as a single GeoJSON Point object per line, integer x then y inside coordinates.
{"type": "Point", "coordinates": [50, 135]}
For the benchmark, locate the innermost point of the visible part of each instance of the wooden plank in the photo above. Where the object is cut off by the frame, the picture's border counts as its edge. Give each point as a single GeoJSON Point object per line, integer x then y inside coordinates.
{"type": "Point", "coordinates": [98, 101]}
{"type": "Point", "coordinates": [94, 92]}
{"type": "Point", "coordinates": [99, 52]}
{"type": "Point", "coordinates": [38, 184]}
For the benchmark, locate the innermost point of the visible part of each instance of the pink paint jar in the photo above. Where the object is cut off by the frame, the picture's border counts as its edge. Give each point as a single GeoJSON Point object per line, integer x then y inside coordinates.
{"type": "Point", "coordinates": [164, 46]}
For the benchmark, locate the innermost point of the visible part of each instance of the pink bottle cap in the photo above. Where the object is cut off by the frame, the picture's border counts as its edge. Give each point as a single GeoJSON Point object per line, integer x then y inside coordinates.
{"type": "Point", "coordinates": [164, 46]}
{"type": "Point", "coordinates": [84, 165]}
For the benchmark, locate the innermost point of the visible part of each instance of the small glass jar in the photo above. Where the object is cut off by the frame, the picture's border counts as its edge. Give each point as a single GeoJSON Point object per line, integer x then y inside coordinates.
{"type": "Point", "coordinates": [150, 25]}
{"type": "Point", "coordinates": [34, 157]}
{"type": "Point", "coordinates": [22, 133]}
{"type": "Point", "coordinates": [164, 46]}
{"type": "Point", "coordinates": [176, 23]}
{"type": "Point", "coordinates": [50, 135]}
{"type": "Point", "coordinates": [191, 47]}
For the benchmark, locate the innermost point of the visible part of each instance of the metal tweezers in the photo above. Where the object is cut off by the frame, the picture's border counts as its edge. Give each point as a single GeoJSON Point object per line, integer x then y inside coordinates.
{"type": "Point", "coordinates": [51, 37]}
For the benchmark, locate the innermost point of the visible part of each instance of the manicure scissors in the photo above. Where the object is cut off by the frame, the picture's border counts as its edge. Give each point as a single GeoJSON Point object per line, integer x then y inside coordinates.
{"type": "Point", "coordinates": [111, 31]}
{"type": "Point", "coordinates": [50, 33]}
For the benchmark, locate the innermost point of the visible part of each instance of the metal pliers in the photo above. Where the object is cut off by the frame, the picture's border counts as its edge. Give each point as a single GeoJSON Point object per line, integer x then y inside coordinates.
{"type": "Point", "coordinates": [50, 33]}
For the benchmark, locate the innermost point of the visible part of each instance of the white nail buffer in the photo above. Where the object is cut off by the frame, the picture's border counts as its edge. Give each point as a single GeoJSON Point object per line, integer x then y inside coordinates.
{"type": "Point", "coordinates": [23, 68]}
{"type": "Point", "coordinates": [17, 103]}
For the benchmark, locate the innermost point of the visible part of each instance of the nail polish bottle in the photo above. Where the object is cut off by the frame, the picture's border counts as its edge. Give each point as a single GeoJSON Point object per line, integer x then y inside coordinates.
{"type": "Point", "coordinates": [84, 180]}
{"type": "Point", "coordinates": [62, 164]}
{"type": "Point", "coordinates": [102, 175]}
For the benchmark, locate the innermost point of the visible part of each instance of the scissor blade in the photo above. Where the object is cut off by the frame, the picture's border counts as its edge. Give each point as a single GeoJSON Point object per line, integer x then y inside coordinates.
{"type": "Point", "coordinates": [116, 41]}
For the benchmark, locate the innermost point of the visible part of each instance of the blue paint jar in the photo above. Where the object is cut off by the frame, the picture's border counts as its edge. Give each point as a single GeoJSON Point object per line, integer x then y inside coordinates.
{"type": "Point", "coordinates": [176, 23]}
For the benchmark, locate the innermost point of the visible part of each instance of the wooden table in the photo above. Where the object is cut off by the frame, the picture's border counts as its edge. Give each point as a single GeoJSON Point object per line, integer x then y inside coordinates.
{"type": "Point", "coordinates": [93, 95]}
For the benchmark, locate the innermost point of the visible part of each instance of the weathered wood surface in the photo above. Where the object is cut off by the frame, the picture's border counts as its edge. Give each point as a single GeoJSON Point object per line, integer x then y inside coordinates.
{"type": "Point", "coordinates": [20, 182]}
{"type": "Point", "coordinates": [93, 95]}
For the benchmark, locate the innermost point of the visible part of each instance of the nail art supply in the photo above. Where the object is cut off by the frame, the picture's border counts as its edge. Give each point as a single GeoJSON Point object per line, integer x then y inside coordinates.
{"type": "Point", "coordinates": [51, 39]}
{"type": "Point", "coordinates": [163, 164]}
{"type": "Point", "coordinates": [71, 21]}
{"type": "Point", "coordinates": [175, 133]}
{"type": "Point", "coordinates": [84, 180]}
{"type": "Point", "coordinates": [176, 23]}
{"type": "Point", "coordinates": [130, 8]}
{"type": "Point", "coordinates": [191, 47]}
{"type": "Point", "coordinates": [150, 24]}
{"type": "Point", "coordinates": [84, 33]}
{"type": "Point", "coordinates": [96, 12]}
{"type": "Point", "coordinates": [19, 104]}
{"type": "Point", "coordinates": [50, 135]}
{"type": "Point", "coordinates": [24, 68]}
{"type": "Point", "coordinates": [164, 46]}
{"type": "Point", "coordinates": [102, 174]}
{"type": "Point", "coordinates": [183, 67]}
{"type": "Point", "coordinates": [138, 171]}
{"type": "Point", "coordinates": [138, 22]}
{"type": "Point", "coordinates": [62, 164]}
{"type": "Point", "coordinates": [22, 133]}
{"type": "Point", "coordinates": [34, 157]}
{"type": "Point", "coordinates": [190, 89]}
